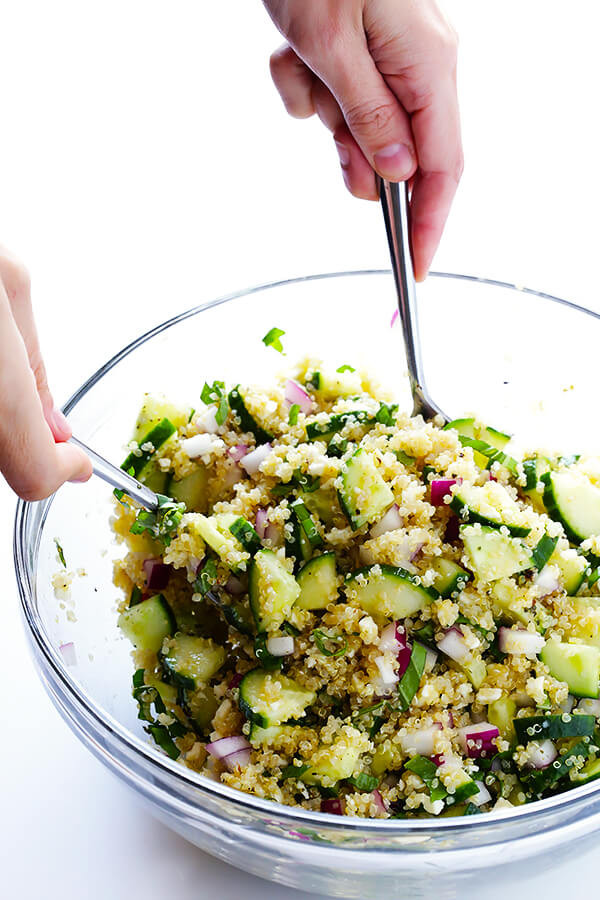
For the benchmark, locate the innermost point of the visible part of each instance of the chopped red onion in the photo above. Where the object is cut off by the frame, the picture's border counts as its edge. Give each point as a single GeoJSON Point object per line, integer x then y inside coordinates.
{"type": "Point", "coordinates": [520, 642]}
{"type": "Point", "coordinates": [233, 474]}
{"type": "Point", "coordinates": [390, 521]}
{"type": "Point", "coordinates": [388, 640]}
{"type": "Point", "coordinates": [333, 805]}
{"type": "Point", "coordinates": [379, 801]}
{"type": "Point", "coordinates": [280, 646]}
{"type": "Point", "coordinates": [482, 796]}
{"type": "Point", "coordinates": [235, 586]}
{"type": "Point", "coordinates": [274, 534]}
{"type": "Point", "coordinates": [440, 488]}
{"type": "Point", "coordinates": [477, 740]}
{"type": "Point", "coordinates": [296, 394]}
{"type": "Point", "coordinates": [261, 522]}
{"type": "Point", "coordinates": [225, 746]}
{"type": "Point", "coordinates": [68, 653]}
{"type": "Point", "coordinates": [157, 574]}
{"type": "Point", "coordinates": [421, 741]}
{"type": "Point", "coordinates": [237, 760]}
{"type": "Point", "coordinates": [589, 707]}
{"type": "Point", "coordinates": [437, 759]}
{"type": "Point", "coordinates": [416, 551]}
{"type": "Point", "coordinates": [541, 754]}
{"type": "Point", "coordinates": [453, 644]}
{"type": "Point", "coordinates": [547, 581]}
{"type": "Point", "coordinates": [252, 461]}
{"type": "Point", "coordinates": [237, 452]}
{"type": "Point", "coordinates": [393, 638]}
{"type": "Point", "coordinates": [235, 681]}
{"type": "Point", "coordinates": [404, 650]}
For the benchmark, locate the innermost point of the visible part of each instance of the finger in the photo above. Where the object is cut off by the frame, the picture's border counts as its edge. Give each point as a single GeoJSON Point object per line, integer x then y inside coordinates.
{"type": "Point", "coordinates": [294, 80]}
{"type": "Point", "coordinates": [436, 128]}
{"type": "Point", "coordinates": [373, 114]}
{"type": "Point", "coordinates": [15, 279]}
{"type": "Point", "coordinates": [30, 459]}
{"type": "Point", "coordinates": [356, 171]}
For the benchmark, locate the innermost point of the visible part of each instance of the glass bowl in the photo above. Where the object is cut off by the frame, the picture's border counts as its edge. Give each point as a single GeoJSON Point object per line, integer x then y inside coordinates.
{"type": "Point", "coordinates": [520, 358]}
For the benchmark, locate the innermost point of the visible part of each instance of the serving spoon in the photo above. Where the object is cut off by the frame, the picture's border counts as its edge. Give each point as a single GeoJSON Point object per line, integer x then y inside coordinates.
{"type": "Point", "coordinates": [394, 202]}
{"type": "Point", "coordinates": [119, 479]}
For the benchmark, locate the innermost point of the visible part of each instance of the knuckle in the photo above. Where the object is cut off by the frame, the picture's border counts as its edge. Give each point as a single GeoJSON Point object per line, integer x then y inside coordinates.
{"type": "Point", "coordinates": [365, 117]}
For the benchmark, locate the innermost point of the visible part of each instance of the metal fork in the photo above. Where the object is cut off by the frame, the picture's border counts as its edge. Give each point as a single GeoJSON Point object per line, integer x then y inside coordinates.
{"type": "Point", "coordinates": [118, 478]}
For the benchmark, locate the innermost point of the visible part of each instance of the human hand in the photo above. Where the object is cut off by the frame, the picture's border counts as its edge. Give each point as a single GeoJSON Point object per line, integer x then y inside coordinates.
{"type": "Point", "coordinates": [34, 458]}
{"type": "Point", "coordinates": [381, 75]}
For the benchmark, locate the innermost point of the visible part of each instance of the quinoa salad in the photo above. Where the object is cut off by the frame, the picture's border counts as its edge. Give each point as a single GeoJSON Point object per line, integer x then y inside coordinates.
{"type": "Point", "coordinates": [343, 608]}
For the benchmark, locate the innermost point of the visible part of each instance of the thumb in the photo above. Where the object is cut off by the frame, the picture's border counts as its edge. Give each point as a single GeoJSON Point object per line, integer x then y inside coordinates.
{"type": "Point", "coordinates": [379, 124]}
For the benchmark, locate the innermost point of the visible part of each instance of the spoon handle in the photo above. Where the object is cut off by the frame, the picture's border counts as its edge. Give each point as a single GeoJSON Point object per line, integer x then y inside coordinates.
{"type": "Point", "coordinates": [118, 478]}
{"type": "Point", "coordinates": [394, 202]}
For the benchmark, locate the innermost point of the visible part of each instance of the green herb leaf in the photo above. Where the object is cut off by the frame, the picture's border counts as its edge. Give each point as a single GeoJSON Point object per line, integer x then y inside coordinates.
{"type": "Point", "coordinates": [345, 369]}
{"type": "Point", "coordinates": [386, 413]}
{"type": "Point", "coordinates": [60, 553]}
{"type": "Point", "coordinates": [491, 453]}
{"type": "Point", "coordinates": [271, 339]}
{"type": "Point", "coordinates": [324, 638]}
{"type": "Point", "coordinates": [427, 772]}
{"type": "Point", "coordinates": [293, 416]}
{"type": "Point", "coordinates": [191, 415]}
{"type": "Point", "coordinates": [212, 393]}
{"type": "Point", "coordinates": [162, 523]}
{"type": "Point", "coordinates": [543, 550]}
{"type": "Point", "coordinates": [409, 683]}
{"type": "Point", "coordinates": [206, 578]}
{"type": "Point", "coordinates": [404, 458]}
{"type": "Point", "coordinates": [136, 596]}
{"type": "Point", "coordinates": [294, 771]}
{"type": "Point", "coordinates": [364, 782]}
{"type": "Point", "coordinates": [222, 411]}
{"type": "Point", "coordinates": [246, 535]}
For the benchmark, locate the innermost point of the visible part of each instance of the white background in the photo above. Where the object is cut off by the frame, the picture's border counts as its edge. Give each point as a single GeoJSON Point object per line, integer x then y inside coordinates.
{"type": "Point", "coordinates": [146, 165]}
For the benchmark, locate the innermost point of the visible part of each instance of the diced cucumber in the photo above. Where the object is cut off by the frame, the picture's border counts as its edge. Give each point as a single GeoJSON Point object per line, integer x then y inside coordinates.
{"type": "Point", "coordinates": [589, 772]}
{"type": "Point", "coordinates": [270, 698]}
{"type": "Point", "coordinates": [201, 706]}
{"type": "Point", "coordinates": [168, 692]}
{"type": "Point", "coordinates": [267, 737]}
{"type": "Point", "coordinates": [235, 611]}
{"type": "Point", "coordinates": [215, 530]}
{"type": "Point", "coordinates": [273, 591]}
{"type": "Point", "coordinates": [576, 664]}
{"type": "Point", "coordinates": [572, 499]}
{"type": "Point", "coordinates": [501, 713]}
{"type": "Point", "coordinates": [586, 626]}
{"type": "Point", "coordinates": [450, 576]}
{"type": "Point", "coordinates": [137, 463]}
{"type": "Point", "coordinates": [154, 409]}
{"type": "Point", "coordinates": [334, 762]}
{"type": "Point", "coordinates": [246, 534]}
{"type": "Point", "coordinates": [387, 591]}
{"type": "Point", "coordinates": [331, 385]}
{"type": "Point", "coordinates": [148, 623]}
{"type": "Point", "coordinates": [475, 669]}
{"type": "Point", "coordinates": [307, 523]}
{"type": "Point", "coordinates": [192, 661]}
{"type": "Point", "coordinates": [489, 504]}
{"type": "Point", "coordinates": [493, 555]}
{"type": "Point", "coordinates": [470, 428]}
{"type": "Point", "coordinates": [297, 544]}
{"type": "Point", "coordinates": [191, 490]}
{"type": "Point", "coordinates": [324, 431]}
{"type": "Point", "coordinates": [464, 789]}
{"type": "Point", "coordinates": [364, 495]}
{"type": "Point", "coordinates": [318, 582]}
{"type": "Point", "coordinates": [322, 503]}
{"type": "Point", "coordinates": [571, 566]}
{"type": "Point", "coordinates": [247, 421]}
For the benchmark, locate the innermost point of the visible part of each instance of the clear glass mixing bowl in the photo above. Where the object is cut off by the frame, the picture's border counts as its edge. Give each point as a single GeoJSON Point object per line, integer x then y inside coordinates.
{"type": "Point", "coordinates": [523, 360]}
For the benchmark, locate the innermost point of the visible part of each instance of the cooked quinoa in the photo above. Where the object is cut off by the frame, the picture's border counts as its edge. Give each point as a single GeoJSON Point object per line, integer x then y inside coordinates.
{"type": "Point", "coordinates": [343, 608]}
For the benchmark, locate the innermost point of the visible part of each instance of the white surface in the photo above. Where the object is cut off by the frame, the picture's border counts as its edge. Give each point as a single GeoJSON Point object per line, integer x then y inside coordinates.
{"type": "Point", "coordinates": [130, 131]}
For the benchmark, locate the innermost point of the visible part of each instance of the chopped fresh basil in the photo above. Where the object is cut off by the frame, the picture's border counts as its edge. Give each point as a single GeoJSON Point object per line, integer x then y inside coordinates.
{"type": "Point", "coordinates": [191, 415]}
{"type": "Point", "coordinates": [146, 695]}
{"type": "Point", "coordinates": [60, 553]}
{"type": "Point", "coordinates": [206, 578]}
{"type": "Point", "coordinates": [246, 534]}
{"type": "Point", "coordinates": [346, 369]}
{"type": "Point", "coordinates": [385, 414]}
{"type": "Point", "coordinates": [427, 772]}
{"type": "Point", "coordinates": [272, 339]}
{"type": "Point", "coordinates": [409, 683]}
{"type": "Point", "coordinates": [162, 523]}
{"type": "Point", "coordinates": [364, 782]}
{"type": "Point", "coordinates": [543, 550]}
{"type": "Point", "coordinates": [324, 638]}
{"type": "Point", "coordinates": [294, 771]}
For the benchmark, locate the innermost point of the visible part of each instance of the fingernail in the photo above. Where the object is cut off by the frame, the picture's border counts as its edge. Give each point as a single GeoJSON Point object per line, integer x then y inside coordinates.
{"type": "Point", "coordinates": [395, 161]}
{"type": "Point", "coordinates": [343, 153]}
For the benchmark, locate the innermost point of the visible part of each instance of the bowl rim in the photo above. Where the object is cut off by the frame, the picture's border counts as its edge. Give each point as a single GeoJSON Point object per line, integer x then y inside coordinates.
{"type": "Point", "coordinates": [185, 776]}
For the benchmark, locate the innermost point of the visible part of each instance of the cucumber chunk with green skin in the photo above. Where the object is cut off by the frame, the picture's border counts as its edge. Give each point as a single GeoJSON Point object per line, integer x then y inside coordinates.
{"type": "Point", "coordinates": [270, 698]}
{"type": "Point", "coordinates": [388, 591]}
{"type": "Point", "coordinates": [318, 582]}
{"type": "Point", "coordinates": [268, 736]}
{"type": "Point", "coordinates": [324, 431]}
{"type": "Point", "coordinates": [156, 436]}
{"type": "Point", "coordinates": [501, 713]}
{"type": "Point", "coordinates": [493, 555]}
{"type": "Point", "coordinates": [332, 385]}
{"type": "Point", "coordinates": [306, 522]}
{"type": "Point", "coordinates": [450, 577]}
{"type": "Point", "coordinates": [540, 728]}
{"type": "Point", "coordinates": [590, 771]}
{"type": "Point", "coordinates": [297, 544]}
{"type": "Point", "coordinates": [247, 421]}
{"type": "Point", "coordinates": [154, 409]}
{"type": "Point", "coordinates": [470, 428]}
{"type": "Point", "coordinates": [191, 490]}
{"type": "Point", "coordinates": [334, 762]}
{"type": "Point", "coordinates": [215, 530]}
{"type": "Point", "coordinates": [576, 664]}
{"type": "Point", "coordinates": [364, 495]}
{"type": "Point", "coordinates": [148, 623]}
{"type": "Point", "coordinates": [572, 499]}
{"type": "Point", "coordinates": [201, 706]}
{"type": "Point", "coordinates": [323, 503]}
{"type": "Point", "coordinates": [543, 550]}
{"type": "Point", "coordinates": [571, 566]}
{"type": "Point", "coordinates": [273, 591]}
{"type": "Point", "coordinates": [192, 661]}
{"type": "Point", "coordinates": [246, 534]}
{"type": "Point", "coordinates": [489, 504]}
